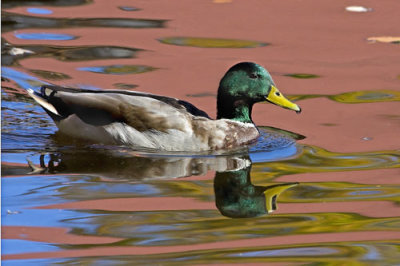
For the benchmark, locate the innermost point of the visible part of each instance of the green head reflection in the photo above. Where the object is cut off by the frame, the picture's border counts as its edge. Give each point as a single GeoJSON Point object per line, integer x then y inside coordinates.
{"type": "Point", "coordinates": [237, 197]}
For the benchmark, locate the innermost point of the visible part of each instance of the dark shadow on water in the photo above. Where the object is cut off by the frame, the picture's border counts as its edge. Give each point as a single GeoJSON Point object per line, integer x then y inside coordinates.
{"type": "Point", "coordinates": [12, 22]}
{"type": "Point", "coordinates": [11, 54]}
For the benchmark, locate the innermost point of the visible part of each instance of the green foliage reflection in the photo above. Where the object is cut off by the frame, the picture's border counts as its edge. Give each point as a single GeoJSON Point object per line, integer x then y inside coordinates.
{"type": "Point", "coordinates": [211, 42]}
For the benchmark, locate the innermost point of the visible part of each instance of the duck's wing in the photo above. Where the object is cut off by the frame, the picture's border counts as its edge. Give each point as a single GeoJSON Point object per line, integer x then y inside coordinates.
{"type": "Point", "coordinates": [55, 100]}
{"type": "Point", "coordinates": [101, 108]}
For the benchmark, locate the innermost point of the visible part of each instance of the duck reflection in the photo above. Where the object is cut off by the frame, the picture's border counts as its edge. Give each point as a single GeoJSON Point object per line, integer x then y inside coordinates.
{"type": "Point", "coordinates": [235, 195]}
{"type": "Point", "coordinates": [134, 166]}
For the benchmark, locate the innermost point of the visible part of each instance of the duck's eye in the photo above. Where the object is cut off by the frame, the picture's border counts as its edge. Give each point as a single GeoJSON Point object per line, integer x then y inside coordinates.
{"type": "Point", "coordinates": [278, 93]}
{"type": "Point", "coordinates": [253, 76]}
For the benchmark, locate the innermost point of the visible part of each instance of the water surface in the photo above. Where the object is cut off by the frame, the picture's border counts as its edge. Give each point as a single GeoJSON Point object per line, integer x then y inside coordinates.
{"type": "Point", "coordinates": [320, 187]}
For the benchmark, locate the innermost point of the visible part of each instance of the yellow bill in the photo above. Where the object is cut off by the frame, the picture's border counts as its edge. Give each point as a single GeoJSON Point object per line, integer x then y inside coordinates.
{"type": "Point", "coordinates": [277, 98]}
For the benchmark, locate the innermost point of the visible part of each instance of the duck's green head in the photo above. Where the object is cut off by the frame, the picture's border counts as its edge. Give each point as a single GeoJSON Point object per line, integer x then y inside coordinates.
{"type": "Point", "coordinates": [244, 85]}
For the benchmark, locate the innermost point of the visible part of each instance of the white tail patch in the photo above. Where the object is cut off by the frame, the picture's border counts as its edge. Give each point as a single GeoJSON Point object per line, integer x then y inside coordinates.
{"type": "Point", "coordinates": [42, 102]}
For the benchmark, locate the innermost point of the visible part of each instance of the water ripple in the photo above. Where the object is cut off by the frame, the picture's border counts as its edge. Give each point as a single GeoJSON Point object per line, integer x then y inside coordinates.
{"type": "Point", "coordinates": [64, 53]}
{"type": "Point", "coordinates": [12, 22]}
{"type": "Point", "coordinates": [315, 159]}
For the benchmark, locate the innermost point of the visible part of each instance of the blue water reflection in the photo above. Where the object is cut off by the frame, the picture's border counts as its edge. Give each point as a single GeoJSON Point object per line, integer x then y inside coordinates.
{"type": "Point", "coordinates": [39, 11]}
{"type": "Point", "coordinates": [22, 79]}
{"type": "Point", "coordinates": [275, 155]}
{"type": "Point", "coordinates": [15, 246]}
{"type": "Point", "coordinates": [45, 36]}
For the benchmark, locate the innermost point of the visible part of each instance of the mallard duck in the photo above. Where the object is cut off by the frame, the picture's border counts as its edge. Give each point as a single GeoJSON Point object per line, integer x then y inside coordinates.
{"type": "Point", "coordinates": [142, 120]}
